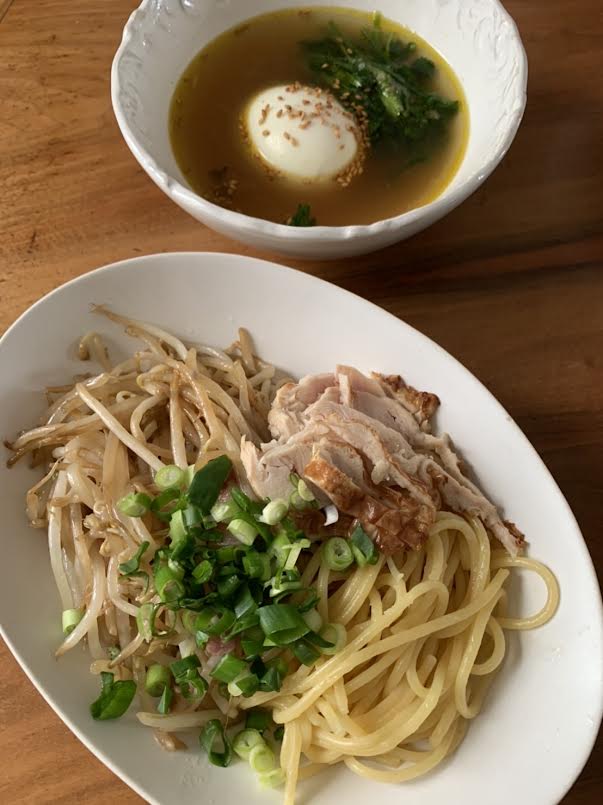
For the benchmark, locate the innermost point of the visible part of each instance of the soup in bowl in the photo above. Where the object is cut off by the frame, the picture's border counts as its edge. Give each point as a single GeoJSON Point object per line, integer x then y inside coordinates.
{"type": "Point", "coordinates": [319, 131]}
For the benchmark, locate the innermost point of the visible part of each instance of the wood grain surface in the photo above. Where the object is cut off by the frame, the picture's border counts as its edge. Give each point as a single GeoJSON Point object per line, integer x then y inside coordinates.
{"type": "Point", "coordinates": [511, 283]}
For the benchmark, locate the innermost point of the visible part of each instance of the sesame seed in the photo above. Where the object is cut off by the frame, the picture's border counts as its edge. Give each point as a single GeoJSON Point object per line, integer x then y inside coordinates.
{"type": "Point", "coordinates": [265, 133]}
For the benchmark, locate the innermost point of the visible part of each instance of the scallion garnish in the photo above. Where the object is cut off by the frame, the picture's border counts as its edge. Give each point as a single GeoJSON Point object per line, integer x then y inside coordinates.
{"type": "Point", "coordinates": [187, 677]}
{"type": "Point", "coordinates": [337, 554]}
{"type": "Point", "coordinates": [70, 619]}
{"type": "Point", "coordinates": [246, 684]}
{"type": "Point", "coordinates": [228, 668]}
{"type": "Point", "coordinates": [136, 504]}
{"type": "Point", "coordinates": [115, 698]}
{"type": "Point", "coordinates": [246, 740]}
{"type": "Point", "coordinates": [272, 778]}
{"type": "Point", "coordinates": [158, 677]}
{"type": "Point", "coordinates": [208, 482]}
{"type": "Point", "coordinates": [170, 476]}
{"type": "Point", "coordinates": [273, 512]}
{"type": "Point", "coordinates": [212, 734]}
{"type": "Point", "coordinates": [336, 635]}
{"type": "Point", "coordinates": [165, 702]}
{"type": "Point", "coordinates": [282, 623]}
{"type": "Point", "coordinates": [243, 531]}
{"type": "Point", "coordinates": [304, 652]}
{"type": "Point", "coordinates": [203, 571]}
{"type": "Point", "coordinates": [133, 564]}
{"type": "Point", "coordinates": [258, 719]}
{"type": "Point", "coordinates": [364, 549]}
{"type": "Point", "coordinates": [261, 758]}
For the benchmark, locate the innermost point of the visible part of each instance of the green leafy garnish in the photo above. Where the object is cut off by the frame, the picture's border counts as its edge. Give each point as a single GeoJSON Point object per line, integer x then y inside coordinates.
{"type": "Point", "coordinates": [301, 217]}
{"type": "Point", "coordinates": [115, 698]}
{"type": "Point", "coordinates": [213, 734]}
{"type": "Point", "coordinates": [207, 483]}
{"type": "Point", "coordinates": [381, 82]}
{"type": "Point", "coordinates": [133, 564]}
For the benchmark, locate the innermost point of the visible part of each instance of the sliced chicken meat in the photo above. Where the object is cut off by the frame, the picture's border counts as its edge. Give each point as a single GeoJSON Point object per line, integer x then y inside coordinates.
{"type": "Point", "coordinates": [364, 444]}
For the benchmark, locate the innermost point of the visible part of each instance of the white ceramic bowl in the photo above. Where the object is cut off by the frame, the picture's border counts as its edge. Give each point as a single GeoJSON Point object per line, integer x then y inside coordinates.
{"type": "Point", "coordinates": [477, 37]}
{"type": "Point", "coordinates": [542, 714]}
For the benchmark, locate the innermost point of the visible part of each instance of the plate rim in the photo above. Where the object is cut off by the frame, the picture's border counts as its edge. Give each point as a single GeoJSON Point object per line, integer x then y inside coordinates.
{"type": "Point", "coordinates": [318, 282]}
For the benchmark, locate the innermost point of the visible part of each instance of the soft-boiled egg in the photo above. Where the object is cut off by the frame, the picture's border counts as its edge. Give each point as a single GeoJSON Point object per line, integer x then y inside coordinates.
{"type": "Point", "coordinates": [303, 133]}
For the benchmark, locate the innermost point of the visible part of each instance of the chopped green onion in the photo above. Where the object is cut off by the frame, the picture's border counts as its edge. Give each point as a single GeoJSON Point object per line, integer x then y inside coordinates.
{"type": "Point", "coordinates": [280, 547]}
{"type": "Point", "coordinates": [317, 640]}
{"type": "Point", "coordinates": [282, 623]}
{"type": "Point", "coordinates": [70, 619]}
{"type": "Point", "coordinates": [215, 620]}
{"type": "Point", "coordinates": [168, 583]}
{"type": "Point", "coordinates": [203, 571]}
{"type": "Point", "coordinates": [208, 482]}
{"type": "Point", "coordinates": [228, 586]}
{"type": "Point", "coordinates": [178, 529]}
{"type": "Point", "coordinates": [258, 719]}
{"type": "Point", "coordinates": [228, 668]}
{"type": "Point", "coordinates": [115, 698]}
{"type": "Point", "coordinates": [261, 758]}
{"type": "Point", "coordinates": [334, 633]}
{"type": "Point", "coordinates": [133, 564]}
{"type": "Point", "coordinates": [189, 474]}
{"type": "Point", "coordinates": [245, 623]}
{"type": "Point", "coordinates": [201, 638]}
{"type": "Point", "coordinates": [257, 565]}
{"type": "Point", "coordinates": [285, 582]}
{"type": "Point", "coordinates": [280, 665]}
{"type": "Point", "coordinates": [279, 732]}
{"type": "Point", "coordinates": [252, 647]}
{"type": "Point", "coordinates": [224, 510]}
{"type": "Point", "coordinates": [158, 678]}
{"type": "Point", "coordinates": [187, 677]}
{"type": "Point", "coordinates": [246, 684]}
{"type": "Point", "coordinates": [310, 601]}
{"type": "Point", "coordinates": [193, 517]}
{"type": "Point", "coordinates": [297, 501]}
{"type": "Point", "coordinates": [271, 681]}
{"type": "Point", "coordinates": [212, 733]}
{"type": "Point", "coordinates": [243, 531]}
{"type": "Point", "coordinates": [364, 549]}
{"type": "Point", "coordinates": [304, 652]}
{"type": "Point", "coordinates": [273, 512]}
{"type": "Point", "coordinates": [182, 666]}
{"type": "Point", "coordinates": [145, 620]}
{"type": "Point", "coordinates": [170, 476]}
{"type": "Point", "coordinates": [136, 504]}
{"type": "Point", "coordinates": [313, 619]}
{"type": "Point", "coordinates": [304, 491]}
{"type": "Point", "coordinates": [246, 740]}
{"type": "Point", "coordinates": [189, 620]}
{"type": "Point", "coordinates": [337, 554]}
{"type": "Point", "coordinates": [245, 603]}
{"type": "Point", "coordinates": [272, 778]}
{"type": "Point", "coordinates": [161, 507]}
{"type": "Point", "coordinates": [165, 702]}
{"type": "Point", "coordinates": [294, 553]}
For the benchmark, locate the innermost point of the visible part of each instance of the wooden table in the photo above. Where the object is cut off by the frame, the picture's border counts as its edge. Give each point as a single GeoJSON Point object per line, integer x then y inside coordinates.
{"type": "Point", "coordinates": [511, 283]}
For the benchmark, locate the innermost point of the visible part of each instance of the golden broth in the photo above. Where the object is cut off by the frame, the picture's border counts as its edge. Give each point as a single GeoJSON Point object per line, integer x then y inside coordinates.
{"type": "Point", "coordinates": [212, 93]}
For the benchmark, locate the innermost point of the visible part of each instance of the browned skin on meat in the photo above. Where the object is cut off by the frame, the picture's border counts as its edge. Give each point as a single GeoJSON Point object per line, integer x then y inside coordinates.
{"type": "Point", "coordinates": [312, 523]}
{"type": "Point", "coordinates": [407, 523]}
{"type": "Point", "coordinates": [422, 404]}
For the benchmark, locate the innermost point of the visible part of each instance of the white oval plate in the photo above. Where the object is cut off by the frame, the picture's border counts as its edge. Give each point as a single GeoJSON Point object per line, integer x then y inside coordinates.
{"type": "Point", "coordinates": [542, 716]}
